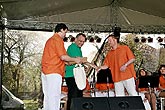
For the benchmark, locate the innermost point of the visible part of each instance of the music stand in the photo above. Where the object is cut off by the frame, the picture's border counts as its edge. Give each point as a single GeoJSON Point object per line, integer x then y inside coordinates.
{"type": "Point", "coordinates": [104, 76]}
{"type": "Point", "coordinates": [148, 81]}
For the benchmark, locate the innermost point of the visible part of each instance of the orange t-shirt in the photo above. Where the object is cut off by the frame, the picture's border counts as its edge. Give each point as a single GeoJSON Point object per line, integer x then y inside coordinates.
{"type": "Point", "coordinates": [143, 89]}
{"type": "Point", "coordinates": [162, 81]}
{"type": "Point", "coordinates": [102, 86]}
{"type": "Point", "coordinates": [54, 49]}
{"type": "Point", "coordinates": [118, 57]}
{"type": "Point", "coordinates": [87, 88]}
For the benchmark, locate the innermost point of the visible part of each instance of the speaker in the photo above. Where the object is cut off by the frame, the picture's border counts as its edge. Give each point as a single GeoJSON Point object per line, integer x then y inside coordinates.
{"type": "Point", "coordinates": [126, 103]}
{"type": "Point", "coordinates": [90, 103]}
{"type": "Point", "coordinates": [111, 103]}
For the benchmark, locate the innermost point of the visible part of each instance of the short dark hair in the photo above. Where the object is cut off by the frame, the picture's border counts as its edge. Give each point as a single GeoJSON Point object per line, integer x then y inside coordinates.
{"type": "Point", "coordinates": [60, 26]}
{"type": "Point", "coordinates": [116, 37]}
{"type": "Point", "coordinates": [79, 34]}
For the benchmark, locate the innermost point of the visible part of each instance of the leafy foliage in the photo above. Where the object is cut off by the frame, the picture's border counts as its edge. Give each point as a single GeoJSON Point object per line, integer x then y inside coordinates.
{"type": "Point", "coordinates": [21, 63]}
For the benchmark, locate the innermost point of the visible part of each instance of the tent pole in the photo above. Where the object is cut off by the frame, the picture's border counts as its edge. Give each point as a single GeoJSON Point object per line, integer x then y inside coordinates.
{"type": "Point", "coordinates": [3, 28]}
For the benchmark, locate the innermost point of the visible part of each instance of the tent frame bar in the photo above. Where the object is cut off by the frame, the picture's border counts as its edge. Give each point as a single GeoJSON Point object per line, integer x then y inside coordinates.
{"type": "Point", "coordinates": [47, 26]}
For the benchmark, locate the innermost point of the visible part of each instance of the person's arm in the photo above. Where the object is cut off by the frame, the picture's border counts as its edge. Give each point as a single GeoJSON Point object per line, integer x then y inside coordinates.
{"type": "Point", "coordinates": [70, 63]}
{"type": "Point", "coordinates": [102, 67]}
{"type": "Point", "coordinates": [68, 58]}
{"type": "Point", "coordinates": [161, 88]}
{"type": "Point", "coordinates": [90, 64]}
{"type": "Point", "coordinates": [123, 68]}
{"type": "Point", "coordinates": [83, 60]}
{"type": "Point", "coordinates": [129, 62]}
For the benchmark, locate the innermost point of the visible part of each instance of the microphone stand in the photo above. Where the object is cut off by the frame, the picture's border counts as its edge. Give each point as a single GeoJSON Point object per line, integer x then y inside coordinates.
{"type": "Point", "coordinates": [150, 92]}
{"type": "Point", "coordinates": [94, 79]}
{"type": "Point", "coordinates": [137, 75]}
{"type": "Point", "coordinates": [139, 67]}
{"type": "Point", "coordinates": [100, 53]}
{"type": "Point", "coordinates": [107, 86]}
{"type": "Point", "coordinates": [94, 84]}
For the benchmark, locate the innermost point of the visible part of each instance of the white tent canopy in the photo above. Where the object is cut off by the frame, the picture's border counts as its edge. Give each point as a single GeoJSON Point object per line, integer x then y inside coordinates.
{"type": "Point", "coordinates": [97, 15]}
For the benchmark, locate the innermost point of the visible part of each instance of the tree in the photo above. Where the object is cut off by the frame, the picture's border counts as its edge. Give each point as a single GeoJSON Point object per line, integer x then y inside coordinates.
{"type": "Point", "coordinates": [147, 57]}
{"type": "Point", "coordinates": [19, 55]}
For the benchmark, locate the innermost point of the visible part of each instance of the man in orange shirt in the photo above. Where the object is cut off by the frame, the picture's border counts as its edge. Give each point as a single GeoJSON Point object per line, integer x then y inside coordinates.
{"type": "Point", "coordinates": [53, 67]}
{"type": "Point", "coordinates": [120, 61]}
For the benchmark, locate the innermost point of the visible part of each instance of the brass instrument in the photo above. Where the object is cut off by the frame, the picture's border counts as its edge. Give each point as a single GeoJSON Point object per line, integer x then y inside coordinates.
{"type": "Point", "coordinates": [97, 60]}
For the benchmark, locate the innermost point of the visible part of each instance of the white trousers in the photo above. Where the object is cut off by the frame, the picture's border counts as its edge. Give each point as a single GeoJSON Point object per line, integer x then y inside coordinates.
{"type": "Point", "coordinates": [128, 84]}
{"type": "Point", "coordinates": [51, 85]}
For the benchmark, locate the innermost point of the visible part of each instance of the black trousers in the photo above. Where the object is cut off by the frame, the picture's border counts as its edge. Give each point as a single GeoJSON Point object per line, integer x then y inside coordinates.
{"type": "Point", "coordinates": [73, 91]}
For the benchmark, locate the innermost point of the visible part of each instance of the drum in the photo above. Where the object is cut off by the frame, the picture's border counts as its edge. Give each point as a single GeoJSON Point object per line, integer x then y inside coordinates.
{"type": "Point", "coordinates": [160, 103]}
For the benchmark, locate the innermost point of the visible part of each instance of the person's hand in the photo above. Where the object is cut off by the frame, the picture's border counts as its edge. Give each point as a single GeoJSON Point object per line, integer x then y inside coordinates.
{"type": "Point", "coordinates": [98, 69]}
{"type": "Point", "coordinates": [92, 65]}
{"type": "Point", "coordinates": [123, 68]}
{"type": "Point", "coordinates": [84, 59]}
{"type": "Point", "coordinates": [101, 67]}
{"type": "Point", "coordinates": [145, 99]}
{"type": "Point", "coordinates": [78, 60]}
{"type": "Point", "coordinates": [67, 63]}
